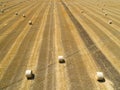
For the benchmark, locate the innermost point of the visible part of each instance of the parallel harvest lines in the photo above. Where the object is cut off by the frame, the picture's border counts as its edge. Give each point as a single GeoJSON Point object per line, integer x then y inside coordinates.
{"type": "Point", "coordinates": [62, 79]}
{"type": "Point", "coordinates": [20, 59]}
{"type": "Point", "coordinates": [26, 84]}
{"type": "Point", "coordinates": [72, 54]}
{"type": "Point", "coordinates": [26, 47]}
{"type": "Point", "coordinates": [9, 20]}
{"type": "Point", "coordinates": [59, 27]}
{"type": "Point", "coordinates": [106, 39]}
{"type": "Point", "coordinates": [91, 9]}
{"type": "Point", "coordinates": [10, 24]}
{"type": "Point", "coordinates": [9, 13]}
{"type": "Point", "coordinates": [98, 28]}
{"type": "Point", "coordinates": [11, 37]}
{"type": "Point", "coordinates": [45, 71]}
{"type": "Point", "coordinates": [99, 57]}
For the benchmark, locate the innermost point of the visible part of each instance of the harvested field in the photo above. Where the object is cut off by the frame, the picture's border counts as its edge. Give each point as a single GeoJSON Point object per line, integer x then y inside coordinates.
{"type": "Point", "coordinates": [33, 33]}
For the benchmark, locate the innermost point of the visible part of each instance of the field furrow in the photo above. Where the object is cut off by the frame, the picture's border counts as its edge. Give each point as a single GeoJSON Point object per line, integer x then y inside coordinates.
{"type": "Point", "coordinates": [85, 32]}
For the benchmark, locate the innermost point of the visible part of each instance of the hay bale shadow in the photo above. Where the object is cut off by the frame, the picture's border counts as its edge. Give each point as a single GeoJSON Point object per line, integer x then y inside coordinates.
{"type": "Point", "coordinates": [31, 78]}
{"type": "Point", "coordinates": [101, 81]}
{"type": "Point", "coordinates": [62, 61]}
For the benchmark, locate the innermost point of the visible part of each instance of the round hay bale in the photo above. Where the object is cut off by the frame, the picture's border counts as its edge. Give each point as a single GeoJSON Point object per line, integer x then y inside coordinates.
{"type": "Point", "coordinates": [29, 74]}
{"type": "Point", "coordinates": [61, 59]}
{"type": "Point", "coordinates": [24, 16]}
{"type": "Point", "coordinates": [16, 13]}
{"type": "Point", "coordinates": [100, 76]}
{"type": "Point", "coordinates": [30, 22]}
{"type": "Point", "coordinates": [110, 22]}
{"type": "Point", "coordinates": [105, 14]}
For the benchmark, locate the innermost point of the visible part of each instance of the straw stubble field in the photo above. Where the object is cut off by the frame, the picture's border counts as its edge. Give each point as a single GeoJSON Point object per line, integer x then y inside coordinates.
{"type": "Point", "coordinates": [79, 30]}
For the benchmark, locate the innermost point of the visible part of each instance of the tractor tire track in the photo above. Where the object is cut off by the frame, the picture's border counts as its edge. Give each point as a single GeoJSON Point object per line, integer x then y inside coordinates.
{"type": "Point", "coordinates": [12, 36]}
{"type": "Point", "coordinates": [23, 53]}
{"type": "Point", "coordinates": [45, 68]}
{"type": "Point", "coordinates": [110, 72]}
{"type": "Point", "coordinates": [78, 74]}
{"type": "Point", "coordinates": [11, 21]}
{"type": "Point", "coordinates": [21, 58]}
{"type": "Point", "coordinates": [107, 38]}
{"type": "Point", "coordinates": [8, 14]}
